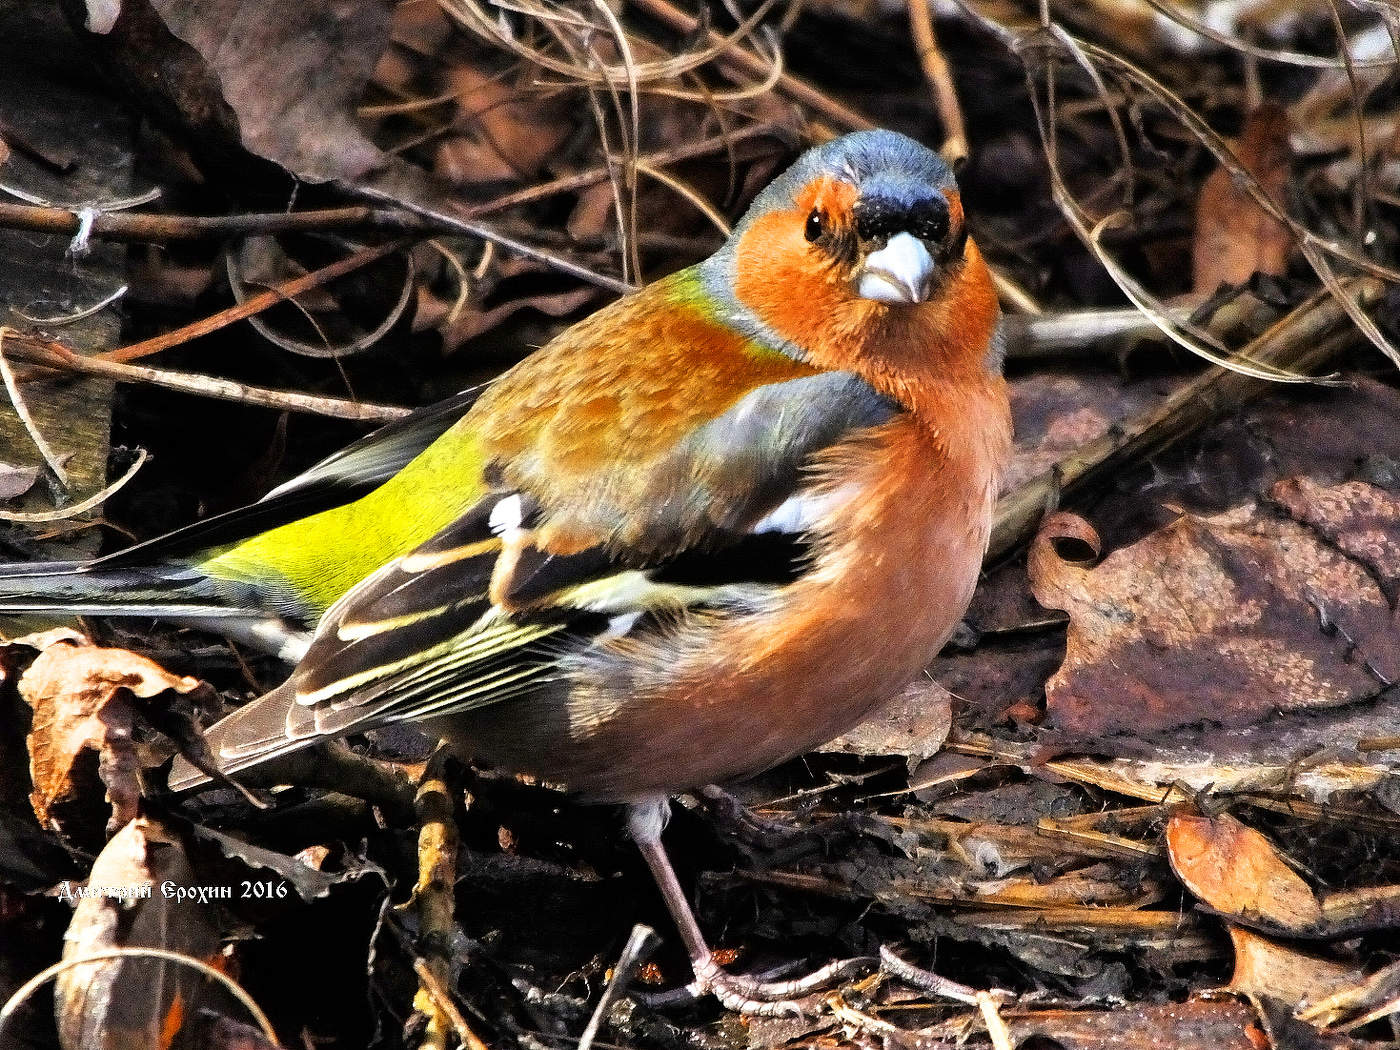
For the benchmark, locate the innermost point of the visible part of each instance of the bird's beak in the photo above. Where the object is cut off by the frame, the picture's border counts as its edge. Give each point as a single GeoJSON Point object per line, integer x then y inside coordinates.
{"type": "Point", "coordinates": [900, 272]}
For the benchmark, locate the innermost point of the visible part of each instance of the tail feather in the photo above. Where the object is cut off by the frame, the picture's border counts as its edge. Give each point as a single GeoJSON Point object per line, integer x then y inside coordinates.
{"type": "Point", "coordinates": [252, 735]}
{"type": "Point", "coordinates": [86, 589]}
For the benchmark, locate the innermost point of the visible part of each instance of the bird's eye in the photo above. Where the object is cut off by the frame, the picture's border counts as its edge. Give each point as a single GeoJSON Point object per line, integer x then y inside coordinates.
{"type": "Point", "coordinates": [816, 224]}
{"type": "Point", "coordinates": [930, 223]}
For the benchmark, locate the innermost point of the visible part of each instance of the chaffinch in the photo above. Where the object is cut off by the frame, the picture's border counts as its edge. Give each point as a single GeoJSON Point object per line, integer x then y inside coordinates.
{"type": "Point", "coordinates": [706, 529]}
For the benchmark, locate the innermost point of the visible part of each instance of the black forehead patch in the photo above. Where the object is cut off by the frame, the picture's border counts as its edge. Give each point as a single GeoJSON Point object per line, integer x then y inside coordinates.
{"type": "Point", "coordinates": [901, 207]}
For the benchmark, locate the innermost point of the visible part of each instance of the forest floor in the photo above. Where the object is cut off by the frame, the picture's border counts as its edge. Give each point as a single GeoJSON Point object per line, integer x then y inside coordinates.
{"type": "Point", "coordinates": [1148, 796]}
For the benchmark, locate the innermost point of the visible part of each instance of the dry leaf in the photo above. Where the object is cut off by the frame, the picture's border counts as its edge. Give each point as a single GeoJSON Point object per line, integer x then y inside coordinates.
{"type": "Point", "coordinates": [914, 724]}
{"type": "Point", "coordinates": [292, 73]}
{"type": "Point", "coordinates": [16, 481]}
{"type": "Point", "coordinates": [1223, 620]}
{"type": "Point", "coordinates": [81, 696]}
{"type": "Point", "coordinates": [1361, 519]}
{"type": "Point", "coordinates": [1266, 967]}
{"type": "Point", "coordinates": [1235, 238]}
{"type": "Point", "coordinates": [141, 893]}
{"type": "Point", "coordinates": [512, 130]}
{"type": "Point", "coordinates": [1236, 871]}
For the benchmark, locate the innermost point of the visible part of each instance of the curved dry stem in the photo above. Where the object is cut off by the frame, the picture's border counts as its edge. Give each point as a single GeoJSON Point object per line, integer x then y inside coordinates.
{"type": "Point", "coordinates": [29, 987]}
{"type": "Point", "coordinates": [684, 189]}
{"type": "Point", "coordinates": [1357, 107]}
{"type": "Point", "coordinates": [39, 517]}
{"type": "Point", "coordinates": [465, 278]}
{"type": "Point", "coordinates": [1180, 332]}
{"type": "Point", "coordinates": [1192, 338]}
{"type": "Point", "coordinates": [473, 16]}
{"type": "Point", "coordinates": [940, 81]}
{"type": "Point", "coordinates": [632, 136]}
{"type": "Point", "coordinates": [1364, 324]}
{"type": "Point", "coordinates": [1270, 54]}
{"type": "Point", "coordinates": [707, 96]}
{"type": "Point", "coordinates": [21, 407]}
{"type": "Point", "coordinates": [1228, 160]}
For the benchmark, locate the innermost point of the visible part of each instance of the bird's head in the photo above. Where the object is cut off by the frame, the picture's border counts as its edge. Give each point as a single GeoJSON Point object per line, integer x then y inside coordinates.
{"type": "Point", "coordinates": [863, 238]}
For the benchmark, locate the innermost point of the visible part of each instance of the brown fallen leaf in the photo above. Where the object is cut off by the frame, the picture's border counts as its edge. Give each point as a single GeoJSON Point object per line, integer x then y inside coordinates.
{"type": "Point", "coordinates": [1362, 520]}
{"type": "Point", "coordinates": [81, 696]}
{"type": "Point", "coordinates": [1236, 871]}
{"type": "Point", "coordinates": [141, 893]}
{"type": "Point", "coordinates": [16, 481]}
{"type": "Point", "coordinates": [1266, 967]}
{"type": "Point", "coordinates": [1057, 412]}
{"type": "Point", "coordinates": [1235, 238]}
{"type": "Point", "coordinates": [914, 724]}
{"type": "Point", "coordinates": [1221, 620]}
{"type": "Point", "coordinates": [511, 129]}
{"type": "Point", "coordinates": [292, 73]}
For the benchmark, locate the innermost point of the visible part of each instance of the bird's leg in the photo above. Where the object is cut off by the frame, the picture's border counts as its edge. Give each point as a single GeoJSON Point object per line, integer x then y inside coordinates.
{"type": "Point", "coordinates": [744, 994]}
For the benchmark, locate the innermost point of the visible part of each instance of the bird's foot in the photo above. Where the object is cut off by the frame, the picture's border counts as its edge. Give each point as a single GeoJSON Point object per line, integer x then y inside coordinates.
{"type": "Point", "coordinates": [756, 996]}
{"type": "Point", "coordinates": [937, 984]}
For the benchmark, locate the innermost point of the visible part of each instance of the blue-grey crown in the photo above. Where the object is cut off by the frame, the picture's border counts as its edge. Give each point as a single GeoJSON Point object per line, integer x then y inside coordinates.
{"type": "Point", "coordinates": [878, 163]}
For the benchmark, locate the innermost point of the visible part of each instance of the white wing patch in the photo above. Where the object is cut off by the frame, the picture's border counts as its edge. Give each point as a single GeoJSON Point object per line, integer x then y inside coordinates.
{"type": "Point", "coordinates": [507, 516]}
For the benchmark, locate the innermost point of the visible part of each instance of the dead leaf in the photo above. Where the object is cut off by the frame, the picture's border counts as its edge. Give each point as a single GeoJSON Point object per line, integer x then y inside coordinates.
{"type": "Point", "coordinates": [472, 321]}
{"type": "Point", "coordinates": [1235, 238]}
{"type": "Point", "coordinates": [512, 130]}
{"type": "Point", "coordinates": [1361, 519]}
{"type": "Point", "coordinates": [143, 893]}
{"type": "Point", "coordinates": [1058, 411]}
{"type": "Point", "coordinates": [1237, 871]}
{"type": "Point", "coordinates": [16, 481]}
{"type": "Point", "coordinates": [1266, 967]}
{"type": "Point", "coordinates": [81, 696]}
{"type": "Point", "coordinates": [914, 724]}
{"type": "Point", "coordinates": [292, 73]}
{"type": "Point", "coordinates": [1222, 620]}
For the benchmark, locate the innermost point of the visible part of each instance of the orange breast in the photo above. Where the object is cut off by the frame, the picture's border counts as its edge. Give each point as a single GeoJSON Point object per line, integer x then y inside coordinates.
{"type": "Point", "coordinates": [729, 696]}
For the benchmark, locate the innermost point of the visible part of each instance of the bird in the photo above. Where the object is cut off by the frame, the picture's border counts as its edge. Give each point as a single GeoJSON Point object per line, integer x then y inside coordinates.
{"type": "Point", "coordinates": [705, 529]}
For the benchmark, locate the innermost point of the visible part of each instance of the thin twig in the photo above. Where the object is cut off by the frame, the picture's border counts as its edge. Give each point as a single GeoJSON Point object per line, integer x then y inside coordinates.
{"type": "Point", "coordinates": [794, 87]}
{"type": "Point", "coordinates": [254, 304]}
{"type": "Point", "coordinates": [459, 221]}
{"type": "Point", "coordinates": [162, 229]}
{"type": "Point", "coordinates": [58, 320]}
{"type": "Point", "coordinates": [398, 217]}
{"type": "Point", "coordinates": [940, 82]}
{"type": "Point", "coordinates": [640, 944]}
{"type": "Point", "coordinates": [593, 176]}
{"type": "Point", "coordinates": [432, 896]}
{"type": "Point", "coordinates": [56, 356]}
